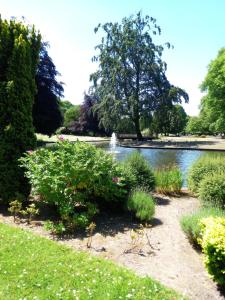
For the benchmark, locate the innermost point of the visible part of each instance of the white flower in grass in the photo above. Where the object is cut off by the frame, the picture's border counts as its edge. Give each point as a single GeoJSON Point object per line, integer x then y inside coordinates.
{"type": "Point", "coordinates": [129, 295]}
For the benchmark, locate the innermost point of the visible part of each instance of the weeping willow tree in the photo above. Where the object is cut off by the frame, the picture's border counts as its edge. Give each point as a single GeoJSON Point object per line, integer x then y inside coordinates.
{"type": "Point", "coordinates": [19, 51]}
{"type": "Point", "coordinates": [131, 78]}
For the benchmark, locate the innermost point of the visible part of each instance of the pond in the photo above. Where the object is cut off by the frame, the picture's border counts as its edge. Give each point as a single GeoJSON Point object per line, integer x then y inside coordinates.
{"type": "Point", "coordinates": [159, 158]}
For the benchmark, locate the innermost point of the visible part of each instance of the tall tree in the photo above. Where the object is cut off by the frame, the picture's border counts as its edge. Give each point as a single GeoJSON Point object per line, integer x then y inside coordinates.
{"type": "Point", "coordinates": [19, 51]}
{"type": "Point", "coordinates": [47, 115]}
{"type": "Point", "coordinates": [213, 104]}
{"type": "Point", "coordinates": [130, 80]}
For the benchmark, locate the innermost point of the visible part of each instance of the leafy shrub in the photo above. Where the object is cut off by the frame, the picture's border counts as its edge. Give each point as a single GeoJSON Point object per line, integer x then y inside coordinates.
{"type": "Point", "coordinates": [204, 166]}
{"type": "Point", "coordinates": [190, 224]}
{"type": "Point", "coordinates": [213, 245]}
{"type": "Point", "coordinates": [142, 204]}
{"type": "Point", "coordinates": [55, 228]}
{"type": "Point", "coordinates": [168, 180]}
{"type": "Point", "coordinates": [138, 171]}
{"type": "Point", "coordinates": [212, 190]}
{"type": "Point", "coordinates": [74, 177]}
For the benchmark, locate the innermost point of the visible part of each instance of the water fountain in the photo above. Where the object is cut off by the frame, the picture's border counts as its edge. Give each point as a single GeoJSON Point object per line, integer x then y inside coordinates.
{"type": "Point", "coordinates": [112, 144]}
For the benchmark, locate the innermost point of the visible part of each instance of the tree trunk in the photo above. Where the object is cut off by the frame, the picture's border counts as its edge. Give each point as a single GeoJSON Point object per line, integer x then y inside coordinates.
{"type": "Point", "coordinates": [138, 130]}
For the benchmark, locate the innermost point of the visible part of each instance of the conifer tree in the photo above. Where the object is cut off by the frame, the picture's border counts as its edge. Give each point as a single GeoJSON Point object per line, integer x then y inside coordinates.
{"type": "Point", "coordinates": [19, 50]}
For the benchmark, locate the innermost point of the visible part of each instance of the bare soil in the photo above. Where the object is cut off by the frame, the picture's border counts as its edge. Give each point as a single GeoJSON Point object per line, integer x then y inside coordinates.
{"type": "Point", "coordinates": [161, 251]}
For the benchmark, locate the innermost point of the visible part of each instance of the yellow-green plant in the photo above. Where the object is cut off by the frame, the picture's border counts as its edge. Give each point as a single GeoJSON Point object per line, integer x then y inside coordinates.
{"type": "Point", "coordinates": [190, 223]}
{"type": "Point", "coordinates": [15, 208]}
{"type": "Point", "coordinates": [30, 212]}
{"type": "Point", "coordinates": [90, 230]}
{"type": "Point", "coordinates": [213, 245]}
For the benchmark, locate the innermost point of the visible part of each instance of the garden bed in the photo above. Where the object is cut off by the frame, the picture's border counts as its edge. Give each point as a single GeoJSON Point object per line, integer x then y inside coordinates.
{"type": "Point", "coordinates": [164, 253]}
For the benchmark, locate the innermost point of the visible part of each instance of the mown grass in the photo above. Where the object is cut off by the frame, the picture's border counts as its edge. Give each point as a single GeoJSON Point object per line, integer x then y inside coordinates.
{"type": "Point", "coordinates": [32, 267]}
{"type": "Point", "coordinates": [168, 180]}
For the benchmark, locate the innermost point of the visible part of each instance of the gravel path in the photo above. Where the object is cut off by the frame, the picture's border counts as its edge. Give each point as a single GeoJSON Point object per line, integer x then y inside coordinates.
{"type": "Point", "coordinates": [168, 257]}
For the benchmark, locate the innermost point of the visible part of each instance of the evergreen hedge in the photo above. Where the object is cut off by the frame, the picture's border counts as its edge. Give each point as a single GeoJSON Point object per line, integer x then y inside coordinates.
{"type": "Point", "coordinates": [19, 50]}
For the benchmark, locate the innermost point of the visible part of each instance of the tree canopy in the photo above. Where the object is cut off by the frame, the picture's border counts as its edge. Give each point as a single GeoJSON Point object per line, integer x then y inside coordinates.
{"type": "Point", "coordinates": [131, 80]}
{"type": "Point", "coordinates": [169, 119]}
{"type": "Point", "coordinates": [47, 115]}
{"type": "Point", "coordinates": [71, 115]}
{"type": "Point", "coordinates": [88, 121]}
{"type": "Point", "coordinates": [65, 105]}
{"type": "Point", "coordinates": [213, 104]}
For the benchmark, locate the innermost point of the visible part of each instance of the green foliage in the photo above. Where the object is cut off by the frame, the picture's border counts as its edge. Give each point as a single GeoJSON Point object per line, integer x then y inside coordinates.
{"type": "Point", "coordinates": [15, 208]}
{"type": "Point", "coordinates": [30, 212]}
{"type": "Point", "coordinates": [138, 171]}
{"type": "Point", "coordinates": [76, 178]}
{"type": "Point", "coordinates": [169, 119]}
{"type": "Point", "coordinates": [213, 104]}
{"type": "Point", "coordinates": [142, 204]}
{"type": "Point", "coordinates": [169, 180]}
{"type": "Point", "coordinates": [71, 115]}
{"type": "Point", "coordinates": [213, 246]}
{"type": "Point", "coordinates": [212, 190]}
{"type": "Point", "coordinates": [191, 223]}
{"type": "Point", "coordinates": [197, 126]}
{"type": "Point", "coordinates": [65, 105]}
{"type": "Point", "coordinates": [19, 51]}
{"type": "Point", "coordinates": [204, 167]}
{"type": "Point", "coordinates": [35, 267]}
{"type": "Point", "coordinates": [55, 228]}
{"type": "Point", "coordinates": [131, 77]}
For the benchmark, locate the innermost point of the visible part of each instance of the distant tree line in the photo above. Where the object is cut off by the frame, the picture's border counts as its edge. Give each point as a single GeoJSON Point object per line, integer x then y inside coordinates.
{"type": "Point", "coordinates": [211, 119]}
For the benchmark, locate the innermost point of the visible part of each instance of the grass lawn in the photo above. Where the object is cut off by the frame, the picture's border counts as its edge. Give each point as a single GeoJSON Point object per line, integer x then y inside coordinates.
{"type": "Point", "coordinates": [32, 267]}
{"type": "Point", "coordinates": [71, 138]}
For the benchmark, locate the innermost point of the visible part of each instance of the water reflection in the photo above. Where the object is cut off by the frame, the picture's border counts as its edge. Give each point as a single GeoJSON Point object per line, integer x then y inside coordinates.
{"type": "Point", "coordinates": [160, 158]}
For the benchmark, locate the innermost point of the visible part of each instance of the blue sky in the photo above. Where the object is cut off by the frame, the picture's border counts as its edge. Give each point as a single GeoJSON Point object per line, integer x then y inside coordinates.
{"type": "Point", "coordinates": [196, 29]}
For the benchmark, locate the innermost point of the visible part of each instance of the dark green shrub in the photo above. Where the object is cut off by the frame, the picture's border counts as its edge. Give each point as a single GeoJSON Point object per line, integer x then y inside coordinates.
{"type": "Point", "coordinates": [18, 62]}
{"type": "Point", "coordinates": [76, 178]}
{"type": "Point", "coordinates": [213, 246]}
{"type": "Point", "coordinates": [204, 166]}
{"type": "Point", "coordinates": [142, 204]}
{"type": "Point", "coordinates": [190, 224]}
{"type": "Point", "coordinates": [212, 190]}
{"type": "Point", "coordinates": [138, 171]}
{"type": "Point", "coordinates": [168, 180]}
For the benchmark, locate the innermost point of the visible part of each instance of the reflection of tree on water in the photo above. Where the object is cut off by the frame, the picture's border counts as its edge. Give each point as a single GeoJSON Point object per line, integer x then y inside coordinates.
{"type": "Point", "coordinates": [161, 159]}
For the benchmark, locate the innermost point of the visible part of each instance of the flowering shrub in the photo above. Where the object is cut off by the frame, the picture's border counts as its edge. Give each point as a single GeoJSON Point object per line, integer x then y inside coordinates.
{"type": "Point", "coordinates": [74, 177]}
{"type": "Point", "coordinates": [213, 245]}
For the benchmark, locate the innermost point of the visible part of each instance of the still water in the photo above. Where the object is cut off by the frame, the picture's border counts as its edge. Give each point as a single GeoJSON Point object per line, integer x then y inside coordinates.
{"type": "Point", "coordinates": [160, 158]}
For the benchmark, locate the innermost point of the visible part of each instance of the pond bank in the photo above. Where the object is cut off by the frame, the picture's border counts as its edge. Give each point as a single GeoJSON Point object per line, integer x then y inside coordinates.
{"type": "Point", "coordinates": [179, 143]}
